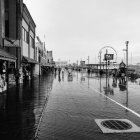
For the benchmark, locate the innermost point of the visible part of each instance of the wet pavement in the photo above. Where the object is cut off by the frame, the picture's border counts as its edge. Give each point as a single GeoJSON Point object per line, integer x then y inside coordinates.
{"type": "Point", "coordinates": [65, 107]}
{"type": "Point", "coordinates": [21, 107]}
{"type": "Point", "coordinates": [75, 102]}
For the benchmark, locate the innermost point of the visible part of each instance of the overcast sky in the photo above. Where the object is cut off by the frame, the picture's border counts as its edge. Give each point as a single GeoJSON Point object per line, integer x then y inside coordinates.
{"type": "Point", "coordinates": [76, 29]}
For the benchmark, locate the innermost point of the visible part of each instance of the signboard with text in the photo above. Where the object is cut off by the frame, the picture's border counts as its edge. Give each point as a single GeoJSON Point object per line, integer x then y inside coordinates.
{"type": "Point", "coordinates": [108, 56]}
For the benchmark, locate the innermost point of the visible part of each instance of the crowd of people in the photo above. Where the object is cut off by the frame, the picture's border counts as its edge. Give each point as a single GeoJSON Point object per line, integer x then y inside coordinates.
{"type": "Point", "coordinates": [61, 71]}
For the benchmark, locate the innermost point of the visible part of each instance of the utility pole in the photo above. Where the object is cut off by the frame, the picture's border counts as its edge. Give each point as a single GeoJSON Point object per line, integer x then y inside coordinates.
{"type": "Point", "coordinates": [106, 64]}
{"type": "Point", "coordinates": [106, 69]}
{"type": "Point", "coordinates": [81, 64]}
{"type": "Point", "coordinates": [88, 60]}
{"type": "Point", "coordinates": [77, 65]}
{"type": "Point", "coordinates": [127, 42]}
{"type": "Point", "coordinates": [100, 60]}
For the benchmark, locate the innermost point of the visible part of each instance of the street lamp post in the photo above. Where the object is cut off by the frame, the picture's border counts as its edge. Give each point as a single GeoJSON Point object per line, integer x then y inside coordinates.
{"type": "Point", "coordinates": [127, 53]}
{"type": "Point", "coordinates": [100, 60]}
{"type": "Point", "coordinates": [81, 64]}
{"type": "Point", "coordinates": [88, 64]}
{"type": "Point", "coordinates": [127, 62]}
{"type": "Point", "coordinates": [127, 42]}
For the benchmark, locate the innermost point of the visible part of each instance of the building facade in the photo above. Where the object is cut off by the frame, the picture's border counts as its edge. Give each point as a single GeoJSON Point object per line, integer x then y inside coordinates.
{"type": "Point", "coordinates": [20, 58]}
{"type": "Point", "coordinates": [13, 18]}
{"type": "Point", "coordinates": [28, 62]}
{"type": "Point", "coordinates": [40, 54]}
{"type": "Point", "coordinates": [8, 54]}
{"type": "Point", "coordinates": [17, 37]}
{"type": "Point", "coordinates": [44, 57]}
{"type": "Point", "coordinates": [50, 57]}
{"type": "Point", "coordinates": [60, 63]}
{"type": "Point", "coordinates": [20, 37]}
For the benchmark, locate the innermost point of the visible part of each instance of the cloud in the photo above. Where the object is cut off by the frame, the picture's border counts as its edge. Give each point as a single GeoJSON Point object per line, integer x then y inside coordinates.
{"type": "Point", "coordinates": [75, 29]}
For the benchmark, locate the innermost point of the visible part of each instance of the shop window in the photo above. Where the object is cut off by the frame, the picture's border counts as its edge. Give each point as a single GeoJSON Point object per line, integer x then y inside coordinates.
{"type": "Point", "coordinates": [2, 67]}
{"type": "Point", "coordinates": [25, 35]}
{"type": "Point", "coordinates": [31, 42]}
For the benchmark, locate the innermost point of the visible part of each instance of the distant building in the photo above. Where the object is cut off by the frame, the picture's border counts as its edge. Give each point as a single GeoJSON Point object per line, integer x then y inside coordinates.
{"type": "Point", "coordinates": [82, 63]}
{"type": "Point", "coordinates": [136, 68]}
{"type": "Point", "coordinates": [60, 63]}
{"type": "Point", "coordinates": [41, 52]}
{"type": "Point", "coordinates": [102, 66]}
{"type": "Point", "coordinates": [50, 56]}
{"type": "Point", "coordinates": [74, 64]}
{"type": "Point", "coordinates": [44, 57]}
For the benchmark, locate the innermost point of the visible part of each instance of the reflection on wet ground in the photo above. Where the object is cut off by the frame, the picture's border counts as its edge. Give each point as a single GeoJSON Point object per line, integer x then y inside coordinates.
{"type": "Point", "coordinates": [20, 108]}
{"type": "Point", "coordinates": [70, 103]}
{"type": "Point", "coordinates": [74, 104]}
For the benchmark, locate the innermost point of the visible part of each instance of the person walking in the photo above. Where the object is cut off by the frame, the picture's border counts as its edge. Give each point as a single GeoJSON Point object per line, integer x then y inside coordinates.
{"type": "Point", "coordinates": [59, 70]}
{"type": "Point", "coordinates": [1, 84]}
{"type": "Point", "coordinates": [17, 75]}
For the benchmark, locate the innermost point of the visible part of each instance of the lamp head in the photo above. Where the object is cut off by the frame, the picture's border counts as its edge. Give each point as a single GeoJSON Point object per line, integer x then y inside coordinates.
{"type": "Point", "coordinates": [126, 42]}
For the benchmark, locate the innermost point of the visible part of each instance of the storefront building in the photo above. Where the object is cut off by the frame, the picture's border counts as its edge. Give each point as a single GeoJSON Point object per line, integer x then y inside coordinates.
{"type": "Point", "coordinates": [7, 66]}
{"type": "Point", "coordinates": [8, 61]}
{"type": "Point", "coordinates": [18, 39]}
{"type": "Point", "coordinates": [28, 62]}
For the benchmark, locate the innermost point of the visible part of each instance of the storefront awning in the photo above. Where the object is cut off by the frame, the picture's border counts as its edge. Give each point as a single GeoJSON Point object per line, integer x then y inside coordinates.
{"type": "Point", "coordinates": [7, 56]}
{"type": "Point", "coordinates": [28, 60]}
